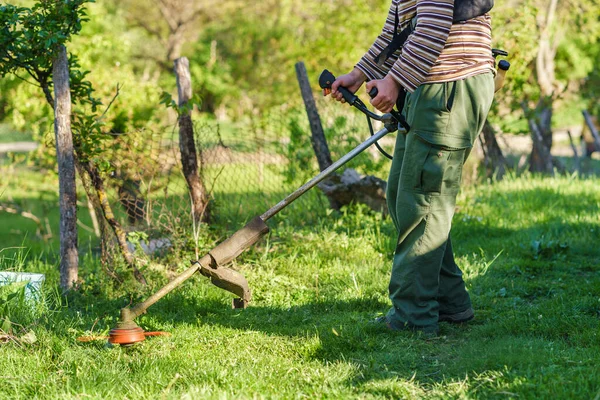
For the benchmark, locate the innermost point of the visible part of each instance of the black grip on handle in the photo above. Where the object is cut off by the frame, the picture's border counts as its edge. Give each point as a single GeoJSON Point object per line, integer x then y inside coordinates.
{"type": "Point", "coordinates": [373, 92]}
{"type": "Point", "coordinates": [326, 79]}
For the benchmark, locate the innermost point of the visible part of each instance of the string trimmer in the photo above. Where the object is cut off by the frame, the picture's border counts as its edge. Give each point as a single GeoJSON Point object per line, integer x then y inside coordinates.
{"type": "Point", "coordinates": [212, 265]}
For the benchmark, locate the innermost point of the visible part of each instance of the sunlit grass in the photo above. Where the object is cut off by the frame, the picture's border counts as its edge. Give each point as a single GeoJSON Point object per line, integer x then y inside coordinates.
{"type": "Point", "coordinates": [527, 245]}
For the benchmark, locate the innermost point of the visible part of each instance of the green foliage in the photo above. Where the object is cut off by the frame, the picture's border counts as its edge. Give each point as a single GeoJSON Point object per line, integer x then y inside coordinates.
{"type": "Point", "coordinates": [344, 130]}
{"type": "Point", "coordinates": [548, 249]}
{"type": "Point", "coordinates": [575, 31]}
{"type": "Point", "coordinates": [212, 77]}
{"type": "Point", "coordinates": [136, 238]}
{"type": "Point", "coordinates": [82, 91]}
{"type": "Point", "coordinates": [90, 127]}
{"type": "Point", "coordinates": [260, 46]}
{"type": "Point", "coordinates": [27, 35]}
{"type": "Point", "coordinates": [591, 84]}
{"type": "Point", "coordinates": [243, 62]}
{"type": "Point", "coordinates": [188, 107]}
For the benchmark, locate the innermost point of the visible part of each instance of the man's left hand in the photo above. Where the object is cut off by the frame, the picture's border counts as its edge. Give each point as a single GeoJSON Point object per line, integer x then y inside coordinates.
{"type": "Point", "coordinates": [388, 90]}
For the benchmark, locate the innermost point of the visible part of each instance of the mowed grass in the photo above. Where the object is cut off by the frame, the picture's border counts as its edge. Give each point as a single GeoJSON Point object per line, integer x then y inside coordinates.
{"type": "Point", "coordinates": [529, 250]}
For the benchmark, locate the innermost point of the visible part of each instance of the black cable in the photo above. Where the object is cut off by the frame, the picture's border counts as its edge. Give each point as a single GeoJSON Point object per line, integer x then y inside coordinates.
{"type": "Point", "coordinates": [382, 151]}
{"type": "Point", "coordinates": [362, 107]}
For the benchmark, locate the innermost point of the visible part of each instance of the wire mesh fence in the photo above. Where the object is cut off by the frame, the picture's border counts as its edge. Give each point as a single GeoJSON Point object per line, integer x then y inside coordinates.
{"type": "Point", "coordinates": [243, 170]}
{"type": "Point", "coordinates": [246, 168]}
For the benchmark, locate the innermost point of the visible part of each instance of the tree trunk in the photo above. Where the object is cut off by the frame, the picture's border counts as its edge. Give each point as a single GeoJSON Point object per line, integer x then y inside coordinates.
{"type": "Point", "coordinates": [69, 258]}
{"type": "Point", "coordinates": [541, 157]}
{"type": "Point", "coordinates": [595, 136]}
{"type": "Point", "coordinates": [541, 121]}
{"type": "Point", "coordinates": [350, 187]}
{"type": "Point", "coordinates": [495, 163]}
{"type": "Point", "coordinates": [88, 170]}
{"type": "Point", "coordinates": [541, 136]}
{"type": "Point", "coordinates": [187, 145]}
{"type": "Point", "coordinates": [98, 215]}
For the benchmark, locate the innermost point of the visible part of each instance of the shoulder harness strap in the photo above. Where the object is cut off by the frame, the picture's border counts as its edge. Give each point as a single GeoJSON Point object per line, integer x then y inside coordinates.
{"type": "Point", "coordinates": [463, 10]}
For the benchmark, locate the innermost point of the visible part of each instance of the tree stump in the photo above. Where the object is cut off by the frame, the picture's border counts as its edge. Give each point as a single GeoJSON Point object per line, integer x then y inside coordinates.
{"type": "Point", "coordinates": [351, 187]}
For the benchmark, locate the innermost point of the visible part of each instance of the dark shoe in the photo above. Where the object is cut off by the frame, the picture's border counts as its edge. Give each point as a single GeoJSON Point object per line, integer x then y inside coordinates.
{"type": "Point", "coordinates": [457, 318]}
{"type": "Point", "coordinates": [426, 332]}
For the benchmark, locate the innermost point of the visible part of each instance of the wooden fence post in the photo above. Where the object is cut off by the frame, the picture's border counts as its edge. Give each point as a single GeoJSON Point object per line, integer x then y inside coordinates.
{"type": "Point", "coordinates": [317, 137]}
{"type": "Point", "coordinates": [187, 144]}
{"type": "Point", "coordinates": [575, 155]}
{"type": "Point", "coordinates": [348, 187]}
{"type": "Point", "coordinates": [69, 258]}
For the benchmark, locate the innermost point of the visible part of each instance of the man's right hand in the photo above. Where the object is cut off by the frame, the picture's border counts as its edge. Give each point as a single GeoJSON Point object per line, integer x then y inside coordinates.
{"type": "Point", "coordinates": [352, 81]}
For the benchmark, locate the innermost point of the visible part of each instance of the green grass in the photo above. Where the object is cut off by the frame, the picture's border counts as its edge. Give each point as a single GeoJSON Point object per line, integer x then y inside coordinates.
{"type": "Point", "coordinates": [529, 250]}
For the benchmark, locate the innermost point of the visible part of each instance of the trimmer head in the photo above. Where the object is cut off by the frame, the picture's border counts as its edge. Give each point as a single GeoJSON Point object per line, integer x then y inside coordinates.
{"type": "Point", "coordinates": [126, 336]}
{"type": "Point", "coordinates": [126, 333]}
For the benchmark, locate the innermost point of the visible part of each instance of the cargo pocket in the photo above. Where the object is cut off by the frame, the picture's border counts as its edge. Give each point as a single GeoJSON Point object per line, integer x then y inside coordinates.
{"type": "Point", "coordinates": [431, 169]}
{"type": "Point", "coordinates": [442, 171]}
{"type": "Point", "coordinates": [415, 157]}
{"type": "Point", "coordinates": [453, 171]}
{"type": "Point", "coordinates": [432, 174]}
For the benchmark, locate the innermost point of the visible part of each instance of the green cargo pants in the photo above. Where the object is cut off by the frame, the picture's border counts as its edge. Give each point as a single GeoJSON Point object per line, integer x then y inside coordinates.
{"type": "Point", "coordinates": [425, 176]}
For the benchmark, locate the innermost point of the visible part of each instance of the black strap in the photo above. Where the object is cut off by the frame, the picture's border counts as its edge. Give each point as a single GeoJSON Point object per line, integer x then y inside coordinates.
{"type": "Point", "coordinates": [467, 9]}
{"type": "Point", "coordinates": [397, 41]}
{"type": "Point", "coordinates": [463, 10]}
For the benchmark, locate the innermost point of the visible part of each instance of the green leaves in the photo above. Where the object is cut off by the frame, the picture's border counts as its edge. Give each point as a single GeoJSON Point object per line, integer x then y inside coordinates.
{"type": "Point", "coordinates": [548, 249]}
{"type": "Point", "coordinates": [169, 102]}
{"type": "Point", "coordinates": [28, 36]}
{"type": "Point", "coordinates": [81, 89]}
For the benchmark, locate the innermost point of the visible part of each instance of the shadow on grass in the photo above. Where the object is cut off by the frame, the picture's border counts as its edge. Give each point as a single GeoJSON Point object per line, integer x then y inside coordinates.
{"type": "Point", "coordinates": [341, 328]}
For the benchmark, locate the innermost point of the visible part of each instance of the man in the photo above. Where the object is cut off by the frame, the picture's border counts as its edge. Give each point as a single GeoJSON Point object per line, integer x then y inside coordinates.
{"type": "Point", "coordinates": [447, 71]}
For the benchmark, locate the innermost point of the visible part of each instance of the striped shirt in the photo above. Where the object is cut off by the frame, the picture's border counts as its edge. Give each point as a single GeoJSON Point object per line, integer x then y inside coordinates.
{"type": "Point", "coordinates": [437, 50]}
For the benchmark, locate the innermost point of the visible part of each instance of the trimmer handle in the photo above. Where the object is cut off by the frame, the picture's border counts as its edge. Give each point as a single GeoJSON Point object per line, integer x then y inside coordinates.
{"type": "Point", "coordinates": [499, 52]}
{"type": "Point", "coordinates": [373, 92]}
{"type": "Point", "coordinates": [503, 66]}
{"type": "Point", "coordinates": [326, 79]}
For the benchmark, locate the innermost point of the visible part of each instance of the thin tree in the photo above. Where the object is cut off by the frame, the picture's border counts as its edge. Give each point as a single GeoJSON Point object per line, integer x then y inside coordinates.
{"type": "Point", "coordinates": [69, 259]}
{"type": "Point", "coordinates": [187, 144]}
{"type": "Point", "coordinates": [26, 34]}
